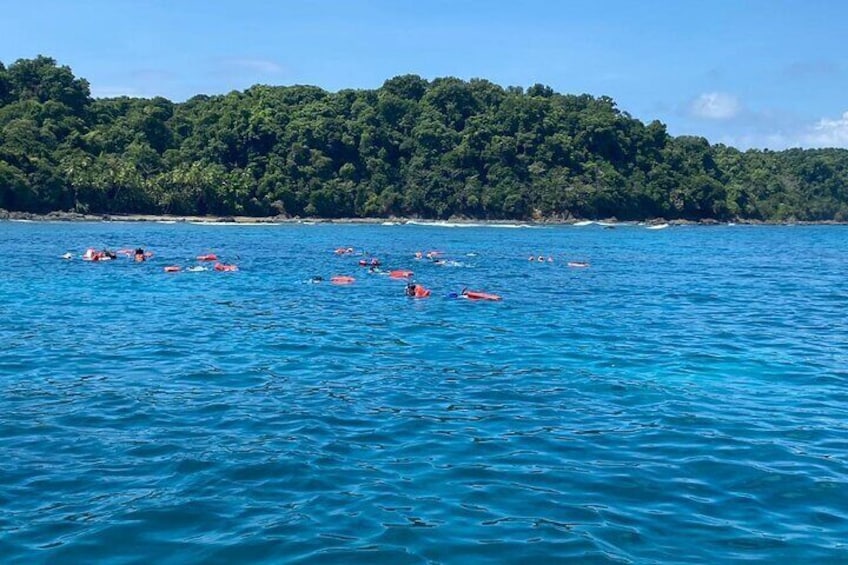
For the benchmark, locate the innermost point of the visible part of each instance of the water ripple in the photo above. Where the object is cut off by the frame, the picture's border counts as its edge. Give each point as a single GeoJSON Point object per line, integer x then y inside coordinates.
{"type": "Point", "coordinates": [682, 400]}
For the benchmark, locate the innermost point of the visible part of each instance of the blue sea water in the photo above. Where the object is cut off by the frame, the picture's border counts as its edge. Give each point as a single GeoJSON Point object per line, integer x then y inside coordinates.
{"type": "Point", "coordinates": [684, 399]}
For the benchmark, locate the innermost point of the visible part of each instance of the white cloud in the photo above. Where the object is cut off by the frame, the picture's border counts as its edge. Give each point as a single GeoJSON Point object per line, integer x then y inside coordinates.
{"type": "Point", "coordinates": [715, 106]}
{"type": "Point", "coordinates": [828, 133]}
{"type": "Point", "coordinates": [776, 134]}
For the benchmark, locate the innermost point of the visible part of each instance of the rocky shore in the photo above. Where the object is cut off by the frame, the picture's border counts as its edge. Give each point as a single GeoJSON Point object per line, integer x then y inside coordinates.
{"type": "Point", "coordinates": [78, 217]}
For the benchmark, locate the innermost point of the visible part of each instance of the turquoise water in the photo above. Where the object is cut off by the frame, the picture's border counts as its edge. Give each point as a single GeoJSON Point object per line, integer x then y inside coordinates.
{"type": "Point", "coordinates": [684, 399]}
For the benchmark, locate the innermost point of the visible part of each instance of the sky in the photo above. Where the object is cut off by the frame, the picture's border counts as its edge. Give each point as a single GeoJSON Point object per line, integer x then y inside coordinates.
{"type": "Point", "coordinates": [747, 73]}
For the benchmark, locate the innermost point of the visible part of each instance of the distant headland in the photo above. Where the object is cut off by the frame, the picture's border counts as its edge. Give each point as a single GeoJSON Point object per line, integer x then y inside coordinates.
{"type": "Point", "coordinates": [414, 148]}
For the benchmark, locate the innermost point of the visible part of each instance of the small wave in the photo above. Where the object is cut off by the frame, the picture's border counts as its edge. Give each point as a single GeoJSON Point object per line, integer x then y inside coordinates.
{"type": "Point", "coordinates": [234, 223]}
{"type": "Point", "coordinates": [471, 225]}
{"type": "Point", "coordinates": [445, 224]}
{"type": "Point", "coordinates": [584, 223]}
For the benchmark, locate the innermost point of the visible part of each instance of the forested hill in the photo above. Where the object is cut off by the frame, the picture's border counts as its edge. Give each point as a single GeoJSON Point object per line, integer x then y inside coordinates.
{"type": "Point", "coordinates": [413, 147]}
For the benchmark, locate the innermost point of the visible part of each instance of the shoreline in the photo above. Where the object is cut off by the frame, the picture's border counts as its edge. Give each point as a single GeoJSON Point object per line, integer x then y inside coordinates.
{"type": "Point", "coordinates": [78, 217]}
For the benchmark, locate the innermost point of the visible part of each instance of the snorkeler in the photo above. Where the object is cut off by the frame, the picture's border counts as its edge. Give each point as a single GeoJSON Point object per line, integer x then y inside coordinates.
{"type": "Point", "coordinates": [414, 290]}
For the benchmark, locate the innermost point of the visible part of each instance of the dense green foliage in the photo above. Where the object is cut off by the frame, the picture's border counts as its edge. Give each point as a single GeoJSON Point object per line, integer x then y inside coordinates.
{"type": "Point", "coordinates": [413, 147]}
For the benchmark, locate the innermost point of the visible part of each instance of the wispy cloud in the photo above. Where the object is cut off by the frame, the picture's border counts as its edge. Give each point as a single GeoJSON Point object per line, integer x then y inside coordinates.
{"type": "Point", "coordinates": [135, 83]}
{"type": "Point", "coordinates": [800, 70]}
{"type": "Point", "coordinates": [152, 75]}
{"type": "Point", "coordinates": [265, 66]}
{"type": "Point", "coordinates": [828, 132]}
{"type": "Point", "coordinates": [774, 141]}
{"type": "Point", "coordinates": [715, 106]}
{"type": "Point", "coordinates": [116, 92]}
{"type": "Point", "coordinates": [776, 131]}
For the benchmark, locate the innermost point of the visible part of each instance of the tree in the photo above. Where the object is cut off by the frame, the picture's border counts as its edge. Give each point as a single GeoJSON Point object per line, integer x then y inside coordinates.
{"type": "Point", "coordinates": [416, 147]}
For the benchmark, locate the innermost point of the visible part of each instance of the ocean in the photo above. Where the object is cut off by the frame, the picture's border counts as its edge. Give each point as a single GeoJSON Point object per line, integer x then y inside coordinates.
{"type": "Point", "coordinates": [681, 399]}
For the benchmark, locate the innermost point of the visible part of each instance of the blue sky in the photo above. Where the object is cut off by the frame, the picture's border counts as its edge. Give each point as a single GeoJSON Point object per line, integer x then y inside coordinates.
{"type": "Point", "coordinates": [749, 73]}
